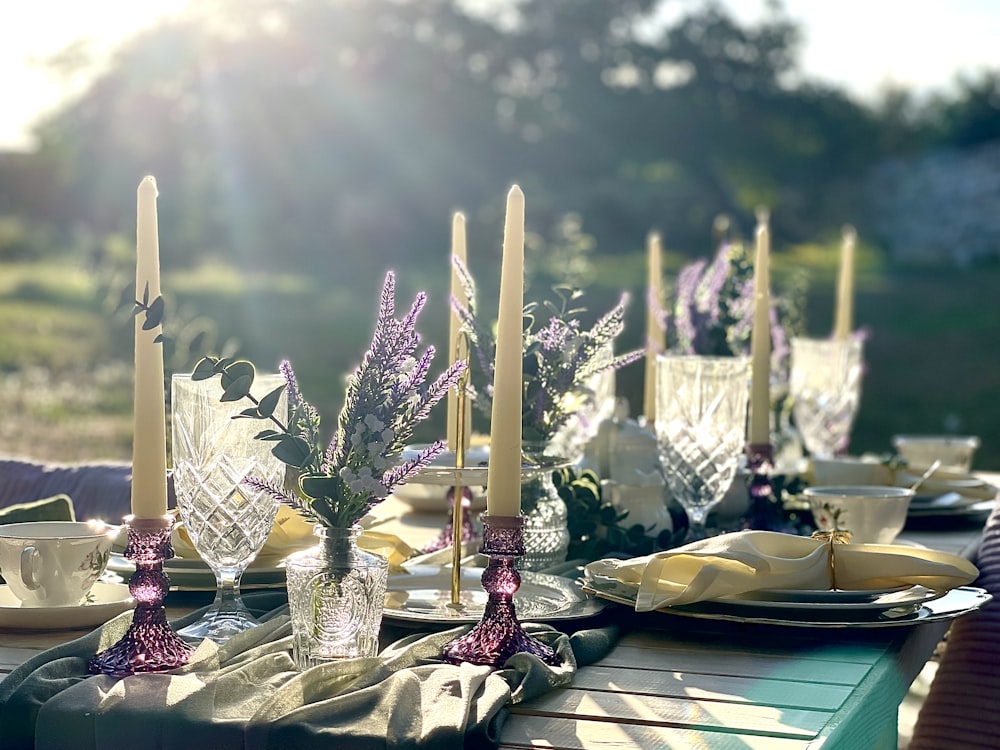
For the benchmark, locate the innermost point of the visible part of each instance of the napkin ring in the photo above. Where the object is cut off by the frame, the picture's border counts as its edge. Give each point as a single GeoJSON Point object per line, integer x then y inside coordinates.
{"type": "Point", "coordinates": [833, 538]}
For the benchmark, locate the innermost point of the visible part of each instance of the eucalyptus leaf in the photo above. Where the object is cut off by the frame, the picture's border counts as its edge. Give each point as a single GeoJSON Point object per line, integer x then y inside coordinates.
{"type": "Point", "coordinates": [250, 413]}
{"type": "Point", "coordinates": [270, 435]}
{"type": "Point", "coordinates": [238, 372]}
{"type": "Point", "coordinates": [269, 403]}
{"type": "Point", "coordinates": [205, 369]}
{"type": "Point", "coordinates": [237, 389]}
{"type": "Point", "coordinates": [154, 314]}
{"type": "Point", "coordinates": [292, 450]}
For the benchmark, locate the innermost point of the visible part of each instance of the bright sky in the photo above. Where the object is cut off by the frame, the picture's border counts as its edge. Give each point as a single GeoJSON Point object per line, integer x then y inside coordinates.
{"type": "Point", "coordinates": [861, 44]}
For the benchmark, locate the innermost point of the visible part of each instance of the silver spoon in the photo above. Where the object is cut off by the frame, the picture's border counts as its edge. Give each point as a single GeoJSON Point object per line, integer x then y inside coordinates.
{"type": "Point", "coordinates": [926, 475]}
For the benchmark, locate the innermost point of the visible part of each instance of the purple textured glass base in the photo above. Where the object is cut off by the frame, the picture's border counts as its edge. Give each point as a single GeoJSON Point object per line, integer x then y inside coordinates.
{"type": "Point", "coordinates": [765, 509]}
{"type": "Point", "coordinates": [149, 644]}
{"type": "Point", "coordinates": [469, 534]}
{"type": "Point", "coordinates": [498, 635]}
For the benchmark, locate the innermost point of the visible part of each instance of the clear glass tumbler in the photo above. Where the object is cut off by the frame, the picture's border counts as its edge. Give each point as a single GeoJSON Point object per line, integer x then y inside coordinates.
{"type": "Point", "coordinates": [825, 387]}
{"type": "Point", "coordinates": [227, 520]}
{"type": "Point", "coordinates": [701, 415]}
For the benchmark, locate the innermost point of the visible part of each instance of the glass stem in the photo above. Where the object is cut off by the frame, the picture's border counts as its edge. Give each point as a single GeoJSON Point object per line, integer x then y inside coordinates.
{"type": "Point", "coordinates": [228, 603]}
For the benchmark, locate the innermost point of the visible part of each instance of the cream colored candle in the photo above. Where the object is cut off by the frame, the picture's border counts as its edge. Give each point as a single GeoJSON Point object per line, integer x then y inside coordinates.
{"type": "Point", "coordinates": [149, 452]}
{"type": "Point", "coordinates": [655, 335]}
{"type": "Point", "coordinates": [503, 478]}
{"type": "Point", "coordinates": [843, 320]}
{"type": "Point", "coordinates": [760, 340]}
{"type": "Point", "coordinates": [458, 345]}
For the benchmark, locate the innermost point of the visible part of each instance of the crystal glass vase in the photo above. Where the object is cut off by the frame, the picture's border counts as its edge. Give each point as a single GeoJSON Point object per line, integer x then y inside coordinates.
{"type": "Point", "coordinates": [336, 592]}
{"type": "Point", "coordinates": [546, 532]}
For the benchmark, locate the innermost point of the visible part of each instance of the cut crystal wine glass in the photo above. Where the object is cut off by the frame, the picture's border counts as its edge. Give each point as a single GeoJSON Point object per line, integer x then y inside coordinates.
{"type": "Point", "coordinates": [825, 386]}
{"type": "Point", "coordinates": [227, 520]}
{"type": "Point", "coordinates": [701, 412]}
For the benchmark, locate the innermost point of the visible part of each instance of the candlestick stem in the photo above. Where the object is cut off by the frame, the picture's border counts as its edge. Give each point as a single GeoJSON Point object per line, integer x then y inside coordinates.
{"type": "Point", "coordinates": [499, 635]}
{"type": "Point", "coordinates": [149, 644]}
{"type": "Point", "coordinates": [765, 508]}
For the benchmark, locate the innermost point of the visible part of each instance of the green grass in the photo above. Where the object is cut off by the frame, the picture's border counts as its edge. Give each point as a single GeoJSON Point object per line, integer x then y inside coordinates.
{"type": "Point", "coordinates": [65, 354]}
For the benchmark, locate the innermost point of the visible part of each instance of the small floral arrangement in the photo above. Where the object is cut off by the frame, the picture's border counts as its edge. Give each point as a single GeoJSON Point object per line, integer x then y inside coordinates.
{"type": "Point", "coordinates": [386, 398]}
{"type": "Point", "coordinates": [559, 357]}
{"type": "Point", "coordinates": [712, 311]}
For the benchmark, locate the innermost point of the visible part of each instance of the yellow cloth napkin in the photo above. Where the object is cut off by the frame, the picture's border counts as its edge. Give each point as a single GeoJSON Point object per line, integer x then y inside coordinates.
{"type": "Point", "coordinates": [291, 533]}
{"type": "Point", "coordinates": [744, 561]}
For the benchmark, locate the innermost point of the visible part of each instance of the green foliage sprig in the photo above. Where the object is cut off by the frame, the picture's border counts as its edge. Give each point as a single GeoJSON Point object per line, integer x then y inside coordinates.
{"type": "Point", "coordinates": [596, 527]}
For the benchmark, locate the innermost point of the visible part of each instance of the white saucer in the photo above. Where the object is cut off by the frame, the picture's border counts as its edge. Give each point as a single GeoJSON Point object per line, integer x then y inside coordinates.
{"type": "Point", "coordinates": [108, 600]}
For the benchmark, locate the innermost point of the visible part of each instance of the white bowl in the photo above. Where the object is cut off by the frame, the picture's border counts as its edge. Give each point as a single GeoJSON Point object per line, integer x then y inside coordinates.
{"type": "Point", "coordinates": [873, 514]}
{"type": "Point", "coordinates": [849, 472]}
{"type": "Point", "coordinates": [920, 451]}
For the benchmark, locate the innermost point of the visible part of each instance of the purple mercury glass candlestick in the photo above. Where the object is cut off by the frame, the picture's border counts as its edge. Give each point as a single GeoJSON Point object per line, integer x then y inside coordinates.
{"type": "Point", "coordinates": [765, 511]}
{"type": "Point", "coordinates": [149, 644]}
{"type": "Point", "coordinates": [498, 635]}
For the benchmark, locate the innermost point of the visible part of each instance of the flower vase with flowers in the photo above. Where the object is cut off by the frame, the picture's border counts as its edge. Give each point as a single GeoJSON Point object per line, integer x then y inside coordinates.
{"type": "Point", "coordinates": [336, 590]}
{"type": "Point", "coordinates": [559, 362]}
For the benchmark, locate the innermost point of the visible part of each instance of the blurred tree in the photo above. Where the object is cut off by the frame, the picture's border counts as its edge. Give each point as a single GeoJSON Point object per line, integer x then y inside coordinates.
{"type": "Point", "coordinates": [337, 134]}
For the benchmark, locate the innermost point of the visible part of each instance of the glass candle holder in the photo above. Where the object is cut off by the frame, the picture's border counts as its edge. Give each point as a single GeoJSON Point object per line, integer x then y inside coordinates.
{"type": "Point", "coordinates": [149, 644]}
{"type": "Point", "coordinates": [499, 635]}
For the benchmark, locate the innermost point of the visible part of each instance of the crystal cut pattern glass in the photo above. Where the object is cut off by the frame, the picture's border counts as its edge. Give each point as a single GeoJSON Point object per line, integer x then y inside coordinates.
{"type": "Point", "coordinates": [701, 413]}
{"type": "Point", "coordinates": [336, 593]}
{"type": "Point", "coordinates": [825, 386]}
{"type": "Point", "coordinates": [227, 520]}
{"type": "Point", "coordinates": [546, 531]}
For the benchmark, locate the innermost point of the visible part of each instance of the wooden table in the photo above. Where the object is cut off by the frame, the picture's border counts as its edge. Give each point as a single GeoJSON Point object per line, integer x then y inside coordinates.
{"type": "Point", "coordinates": [675, 682]}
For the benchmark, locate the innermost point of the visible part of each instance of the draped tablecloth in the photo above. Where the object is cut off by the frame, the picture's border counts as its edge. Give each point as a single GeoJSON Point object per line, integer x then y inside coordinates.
{"type": "Point", "coordinates": [247, 694]}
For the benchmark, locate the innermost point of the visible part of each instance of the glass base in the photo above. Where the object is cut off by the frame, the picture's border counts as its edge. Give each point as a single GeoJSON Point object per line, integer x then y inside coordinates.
{"type": "Point", "coordinates": [219, 626]}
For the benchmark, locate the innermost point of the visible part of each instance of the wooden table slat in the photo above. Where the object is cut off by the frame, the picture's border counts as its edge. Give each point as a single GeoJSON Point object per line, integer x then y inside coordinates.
{"type": "Point", "coordinates": [796, 667]}
{"type": "Point", "coordinates": [845, 648]}
{"type": "Point", "coordinates": [778, 693]}
{"type": "Point", "coordinates": [569, 703]}
{"type": "Point", "coordinates": [522, 731]}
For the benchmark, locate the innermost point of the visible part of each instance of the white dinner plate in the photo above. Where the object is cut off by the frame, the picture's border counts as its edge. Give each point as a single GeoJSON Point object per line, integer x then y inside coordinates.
{"type": "Point", "coordinates": [423, 594]}
{"type": "Point", "coordinates": [833, 600]}
{"type": "Point", "coordinates": [956, 602]}
{"type": "Point", "coordinates": [195, 575]}
{"type": "Point", "coordinates": [106, 600]}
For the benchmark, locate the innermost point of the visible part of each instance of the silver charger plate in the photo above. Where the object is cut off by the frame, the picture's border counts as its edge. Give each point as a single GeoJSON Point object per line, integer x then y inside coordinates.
{"type": "Point", "coordinates": [971, 511]}
{"type": "Point", "coordinates": [955, 603]}
{"type": "Point", "coordinates": [423, 594]}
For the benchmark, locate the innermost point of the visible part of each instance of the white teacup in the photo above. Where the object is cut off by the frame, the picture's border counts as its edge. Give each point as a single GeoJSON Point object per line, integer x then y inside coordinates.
{"type": "Point", "coordinates": [54, 563]}
{"type": "Point", "coordinates": [955, 452]}
{"type": "Point", "coordinates": [873, 514]}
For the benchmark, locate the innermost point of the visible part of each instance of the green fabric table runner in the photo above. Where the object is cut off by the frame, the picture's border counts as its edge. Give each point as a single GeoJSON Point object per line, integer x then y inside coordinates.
{"type": "Point", "coordinates": [247, 693]}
